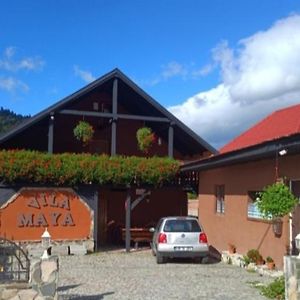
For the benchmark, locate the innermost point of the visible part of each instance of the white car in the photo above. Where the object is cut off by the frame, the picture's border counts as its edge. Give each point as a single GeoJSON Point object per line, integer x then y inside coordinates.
{"type": "Point", "coordinates": [178, 237]}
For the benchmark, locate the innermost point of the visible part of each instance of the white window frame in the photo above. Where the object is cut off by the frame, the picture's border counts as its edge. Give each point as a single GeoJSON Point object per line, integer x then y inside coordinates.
{"type": "Point", "coordinates": [252, 209]}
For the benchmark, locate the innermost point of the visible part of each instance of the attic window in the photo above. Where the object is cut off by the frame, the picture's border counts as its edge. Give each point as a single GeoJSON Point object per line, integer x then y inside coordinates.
{"type": "Point", "coordinates": [95, 106]}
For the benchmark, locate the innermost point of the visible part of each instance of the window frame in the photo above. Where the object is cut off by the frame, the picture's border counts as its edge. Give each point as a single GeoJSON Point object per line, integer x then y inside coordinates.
{"type": "Point", "coordinates": [220, 199]}
{"type": "Point", "coordinates": [253, 213]}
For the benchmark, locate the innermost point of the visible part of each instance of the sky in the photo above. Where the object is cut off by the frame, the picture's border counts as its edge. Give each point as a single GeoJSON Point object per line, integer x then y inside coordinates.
{"type": "Point", "coordinates": [219, 66]}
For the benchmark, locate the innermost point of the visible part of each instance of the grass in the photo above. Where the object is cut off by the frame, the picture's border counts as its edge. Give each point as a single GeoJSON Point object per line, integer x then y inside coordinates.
{"type": "Point", "coordinates": [274, 290]}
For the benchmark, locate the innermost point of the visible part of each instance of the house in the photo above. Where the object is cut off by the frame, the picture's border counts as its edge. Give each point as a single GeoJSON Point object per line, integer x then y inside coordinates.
{"type": "Point", "coordinates": [116, 108]}
{"type": "Point", "coordinates": [229, 182]}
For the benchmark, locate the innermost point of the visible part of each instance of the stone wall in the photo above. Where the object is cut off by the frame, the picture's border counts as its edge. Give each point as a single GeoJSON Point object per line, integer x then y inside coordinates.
{"type": "Point", "coordinates": [43, 282]}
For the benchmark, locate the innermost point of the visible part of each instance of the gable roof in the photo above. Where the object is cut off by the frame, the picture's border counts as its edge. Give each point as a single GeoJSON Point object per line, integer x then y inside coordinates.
{"type": "Point", "coordinates": [116, 73]}
{"type": "Point", "coordinates": [281, 123]}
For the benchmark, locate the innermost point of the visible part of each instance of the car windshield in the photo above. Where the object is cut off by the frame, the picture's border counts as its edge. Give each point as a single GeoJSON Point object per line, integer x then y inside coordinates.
{"type": "Point", "coordinates": [182, 226]}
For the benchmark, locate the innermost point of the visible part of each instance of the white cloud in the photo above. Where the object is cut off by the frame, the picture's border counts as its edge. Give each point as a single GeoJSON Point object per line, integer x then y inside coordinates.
{"type": "Point", "coordinates": [84, 75]}
{"type": "Point", "coordinates": [9, 51]}
{"type": "Point", "coordinates": [258, 76]}
{"type": "Point", "coordinates": [173, 69]}
{"type": "Point", "coordinates": [11, 84]}
{"type": "Point", "coordinates": [205, 70]}
{"type": "Point", "coordinates": [9, 63]}
{"type": "Point", "coordinates": [176, 69]}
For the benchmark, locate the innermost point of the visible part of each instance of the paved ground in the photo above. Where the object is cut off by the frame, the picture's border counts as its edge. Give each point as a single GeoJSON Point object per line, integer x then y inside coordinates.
{"type": "Point", "coordinates": [117, 275]}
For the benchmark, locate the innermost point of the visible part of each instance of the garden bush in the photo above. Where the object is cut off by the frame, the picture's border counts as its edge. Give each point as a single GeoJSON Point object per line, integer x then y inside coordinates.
{"type": "Point", "coordinates": [73, 169]}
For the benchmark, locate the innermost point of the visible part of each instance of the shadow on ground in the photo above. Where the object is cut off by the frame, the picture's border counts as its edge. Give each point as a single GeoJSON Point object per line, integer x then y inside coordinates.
{"type": "Point", "coordinates": [67, 287]}
{"type": "Point", "coordinates": [88, 297]}
{"type": "Point", "coordinates": [213, 257]}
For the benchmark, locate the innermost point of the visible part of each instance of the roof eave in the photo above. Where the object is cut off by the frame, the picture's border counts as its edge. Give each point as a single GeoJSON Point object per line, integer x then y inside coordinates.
{"type": "Point", "coordinates": [257, 152]}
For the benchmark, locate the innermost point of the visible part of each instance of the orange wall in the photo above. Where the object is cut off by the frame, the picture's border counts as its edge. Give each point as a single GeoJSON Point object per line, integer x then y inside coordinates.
{"type": "Point", "coordinates": [26, 215]}
{"type": "Point", "coordinates": [234, 226]}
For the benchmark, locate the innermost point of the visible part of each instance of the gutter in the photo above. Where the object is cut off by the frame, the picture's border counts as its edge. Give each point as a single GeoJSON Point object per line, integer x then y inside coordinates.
{"type": "Point", "coordinates": [257, 152]}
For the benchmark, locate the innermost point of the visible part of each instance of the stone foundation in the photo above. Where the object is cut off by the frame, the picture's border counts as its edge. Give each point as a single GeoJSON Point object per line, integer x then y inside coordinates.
{"type": "Point", "coordinates": [82, 247]}
{"type": "Point", "coordinates": [237, 260]}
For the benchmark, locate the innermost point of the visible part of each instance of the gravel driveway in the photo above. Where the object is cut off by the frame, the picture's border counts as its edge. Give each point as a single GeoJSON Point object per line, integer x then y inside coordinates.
{"type": "Point", "coordinates": [118, 275]}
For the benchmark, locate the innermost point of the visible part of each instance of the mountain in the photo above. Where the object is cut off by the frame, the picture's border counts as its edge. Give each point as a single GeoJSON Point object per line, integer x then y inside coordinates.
{"type": "Point", "coordinates": [9, 119]}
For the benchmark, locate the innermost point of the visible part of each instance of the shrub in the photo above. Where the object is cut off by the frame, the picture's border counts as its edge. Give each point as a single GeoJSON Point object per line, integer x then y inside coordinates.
{"type": "Point", "coordinates": [275, 290]}
{"type": "Point", "coordinates": [83, 131]}
{"type": "Point", "coordinates": [145, 138]}
{"type": "Point", "coordinates": [246, 260]}
{"type": "Point", "coordinates": [72, 169]}
{"type": "Point", "coordinates": [269, 259]}
{"type": "Point", "coordinates": [276, 201]}
{"type": "Point", "coordinates": [254, 256]}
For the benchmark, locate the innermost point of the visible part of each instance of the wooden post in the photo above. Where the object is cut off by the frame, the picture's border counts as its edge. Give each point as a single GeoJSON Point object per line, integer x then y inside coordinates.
{"type": "Point", "coordinates": [113, 149]}
{"type": "Point", "coordinates": [50, 134]}
{"type": "Point", "coordinates": [127, 221]}
{"type": "Point", "coordinates": [96, 204]}
{"type": "Point", "coordinates": [171, 140]}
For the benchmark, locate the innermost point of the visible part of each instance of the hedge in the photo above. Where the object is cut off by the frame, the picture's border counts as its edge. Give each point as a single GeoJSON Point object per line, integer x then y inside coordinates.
{"type": "Point", "coordinates": [73, 169]}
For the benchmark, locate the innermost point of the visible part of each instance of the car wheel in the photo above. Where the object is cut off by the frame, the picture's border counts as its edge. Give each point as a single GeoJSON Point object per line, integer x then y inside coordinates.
{"type": "Point", "coordinates": [160, 259]}
{"type": "Point", "coordinates": [152, 249]}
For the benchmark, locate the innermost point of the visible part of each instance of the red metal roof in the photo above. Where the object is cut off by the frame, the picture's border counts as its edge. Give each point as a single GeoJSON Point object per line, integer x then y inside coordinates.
{"type": "Point", "coordinates": [279, 124]}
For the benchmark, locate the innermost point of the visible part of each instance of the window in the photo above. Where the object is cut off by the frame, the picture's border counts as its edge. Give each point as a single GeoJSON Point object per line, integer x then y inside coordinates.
{"type": "Point", "coordinates": [253, 211]}
{"type": "Point", "coordinates": [182, 226]}
{"type": "Point", "coordinates": [295, 187]}
{"type": "Point", "coordinates": [220, 203]}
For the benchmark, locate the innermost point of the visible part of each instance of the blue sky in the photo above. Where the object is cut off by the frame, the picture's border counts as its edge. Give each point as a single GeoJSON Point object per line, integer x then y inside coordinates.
{"type": "Point", "coordinates": [191, 56]}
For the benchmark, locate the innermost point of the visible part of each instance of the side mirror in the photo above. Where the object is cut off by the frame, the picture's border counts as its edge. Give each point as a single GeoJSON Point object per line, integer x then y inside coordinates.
{"type": "Point", "coordinates": [152, 229]}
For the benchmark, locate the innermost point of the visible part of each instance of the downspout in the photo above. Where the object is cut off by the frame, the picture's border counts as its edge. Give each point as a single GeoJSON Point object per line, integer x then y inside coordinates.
{"type": "Point", "coordinates": [290, 226]}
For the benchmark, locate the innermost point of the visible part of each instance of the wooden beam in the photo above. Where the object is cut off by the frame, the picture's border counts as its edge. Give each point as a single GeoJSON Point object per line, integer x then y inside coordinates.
{"type": "Point", "coordinates": [115, 97]}
{"type": "Point", "coordinates": [143, 118]}
{"type": "Point", "coordinates": [111, 115]}
{"type": "Point", "coordinates": [139, 199]}
{"type": "Point", "coordinates": [50, 134]}
{"type": "Point", "coordinates": [113, 144]}
{"type": "Point", "coordinates": [85, 113]}
{"type": "Point", "coordinates": [171, 141]}
{"type": "Point", "coordinates": [127, 221]}
{"type": "Point", "coordinates": [96, 219]}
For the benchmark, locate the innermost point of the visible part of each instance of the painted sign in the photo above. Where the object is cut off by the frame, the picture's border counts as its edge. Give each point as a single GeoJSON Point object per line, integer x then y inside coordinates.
{"type": "Point", "coordinates": [26, 215]}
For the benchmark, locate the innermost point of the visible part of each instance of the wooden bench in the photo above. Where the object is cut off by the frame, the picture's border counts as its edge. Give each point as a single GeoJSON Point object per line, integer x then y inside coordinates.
{"type": "Point", "coordinates": [138, 235]}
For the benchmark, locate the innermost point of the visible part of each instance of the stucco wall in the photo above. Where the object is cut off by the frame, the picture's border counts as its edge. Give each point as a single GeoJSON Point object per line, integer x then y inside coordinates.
{"type": "Point", "coordinates": [234, 226]}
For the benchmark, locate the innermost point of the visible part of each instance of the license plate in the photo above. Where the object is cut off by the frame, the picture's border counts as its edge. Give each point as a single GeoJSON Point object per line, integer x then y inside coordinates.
{"type": "Point", "coordinates": [183, 248]}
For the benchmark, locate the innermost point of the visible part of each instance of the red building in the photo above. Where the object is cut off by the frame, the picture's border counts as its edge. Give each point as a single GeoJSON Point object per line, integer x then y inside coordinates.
{"type": "Point", "coordinates": [268, 151]}
{"type": "Point", "coordinates": [116, 108]}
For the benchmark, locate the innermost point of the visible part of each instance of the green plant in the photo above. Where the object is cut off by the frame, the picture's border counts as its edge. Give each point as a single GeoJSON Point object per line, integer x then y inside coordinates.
{"type": "Point", "coordinates": [83, 131]}
{"type": "Point", "coordinates": [73, 169]}
{"type": "Point", "coordinates": [269, 259]}
{"type": "Point", "coordinates": [254, 256]}
{"type": "Point", "coordinates": [145, 138]}
{"type": "Point", "coordinates": [192, 195]}
{"type": "Point", "coordinates": [275, 290]}
{"type": "Point", "coordinates": [246, 260]}
{"type": "Point", "coordinates": [276, 201]}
